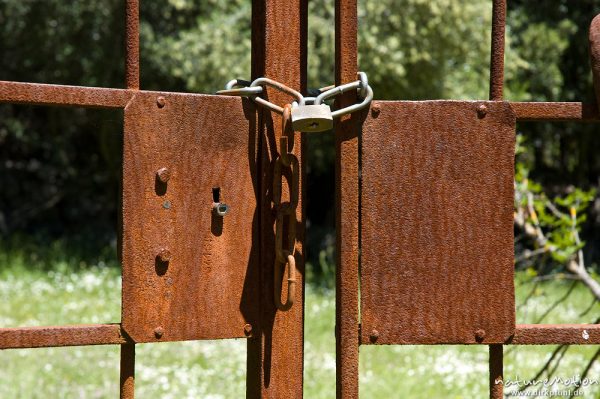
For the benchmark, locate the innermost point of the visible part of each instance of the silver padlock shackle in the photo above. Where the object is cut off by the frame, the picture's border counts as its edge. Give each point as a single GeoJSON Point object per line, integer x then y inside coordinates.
{"type": "Point", "coordinates": [279, 86]}
{"type": "Point", "coordinates": [243, 88]}
{"type": "Point", "coordinates": [362, 85]}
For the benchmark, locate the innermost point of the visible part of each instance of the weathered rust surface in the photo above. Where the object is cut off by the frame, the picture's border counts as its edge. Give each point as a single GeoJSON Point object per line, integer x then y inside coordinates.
{"type": "Point", "coordinates": [347, 132]}
{"type": "Point", "coordinates": [71, 96]}
{"type": "Point", "coordinates": [556, 334]}
{"type": "Point", "coordinates": [497, 53]}
{"type": "Point", "coordinates": [203, 289]}
{"type": "Point", "coordinates": [437, 223]}
{"type": "Point", "coordinates": [276, 353]}
{"type": "Point", "coordinates": [132, 44]}
{"type": "Point", "coordinates": [78, 335]}
{"type": "Point", "coordinates": [127, 372]}
{"type": "Point", "coordinates": [555, 112]}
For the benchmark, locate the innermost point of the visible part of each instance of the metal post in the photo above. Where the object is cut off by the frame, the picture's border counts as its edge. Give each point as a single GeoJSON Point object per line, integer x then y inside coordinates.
{"type": "Point", "coordinates": [132, 44]}
{"type": "Point", "coordinates": [127, 371]}
{"type": "Point", "coordinates": [346, 205]}
{"type": "Point", "coordinates": [496, 372]}
{"type": "Point", "coordinates": [497, 57]}
{"type": "Point", "coordinates": [132, 81]}
{"type": "Point", "coordinates": [276, 352]}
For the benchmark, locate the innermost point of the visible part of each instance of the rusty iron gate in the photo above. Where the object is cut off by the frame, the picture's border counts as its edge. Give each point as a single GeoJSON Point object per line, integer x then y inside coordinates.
{"type": "Point", "coordinates": [434, 273]}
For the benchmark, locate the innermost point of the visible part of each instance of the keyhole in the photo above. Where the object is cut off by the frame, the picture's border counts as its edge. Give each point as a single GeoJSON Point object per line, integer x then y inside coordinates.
{"type": "Point", "coordinates": [216, 192]}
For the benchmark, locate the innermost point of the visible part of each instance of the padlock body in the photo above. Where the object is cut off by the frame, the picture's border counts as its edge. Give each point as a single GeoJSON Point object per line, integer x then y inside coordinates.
{"type": "Point", "coordinates": [312, 118]}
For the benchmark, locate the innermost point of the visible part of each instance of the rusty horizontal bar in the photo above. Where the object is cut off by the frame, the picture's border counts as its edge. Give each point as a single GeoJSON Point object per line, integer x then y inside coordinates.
{"type": "Point", "coordinates": [556, 334]}
{"type": "Point", "coordinates": [75, 96]}
{"type": "Point", "coordinates": [77, 335]}
{"type": "Point", "coordinates": [555, 111]}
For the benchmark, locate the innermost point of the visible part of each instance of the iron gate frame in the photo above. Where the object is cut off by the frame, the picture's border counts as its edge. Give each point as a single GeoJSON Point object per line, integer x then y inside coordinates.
{"type": "Point", "coordinates": [279, 33]}
{"type": "Point", "coordinates": [348, 203]}
{"type": "Point", "coordinates": [279, 51]}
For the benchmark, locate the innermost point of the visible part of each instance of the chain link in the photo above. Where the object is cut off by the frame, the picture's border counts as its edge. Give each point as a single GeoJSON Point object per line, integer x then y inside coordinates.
{"type": "Point", "coordinates": [284, 254]}
{"type": "Point", "coordinates": [253, 90]}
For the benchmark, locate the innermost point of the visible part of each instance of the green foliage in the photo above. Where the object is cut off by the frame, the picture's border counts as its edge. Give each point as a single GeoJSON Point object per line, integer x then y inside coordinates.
{"type": "Point", "coordinates": [197, 45]}
{"type": "Point", "coordinates": [217, 369]}
{"type": "Point", "coordinates": [560, 218]}
{"type": "Point", "coordinates": [533, 54]}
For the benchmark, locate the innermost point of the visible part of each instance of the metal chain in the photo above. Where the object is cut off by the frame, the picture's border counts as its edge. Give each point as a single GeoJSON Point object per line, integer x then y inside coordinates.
{"type": "Point", "coordinates": [253, 90]}
{"type": "Point", "coordinates": [284, 255]}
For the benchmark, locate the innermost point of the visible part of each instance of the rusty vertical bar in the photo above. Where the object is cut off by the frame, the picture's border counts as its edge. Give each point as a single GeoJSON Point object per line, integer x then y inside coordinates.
{"type": "Point", "coordinates": [496, 361]}
{"type": "Point", "coordinates": [132, 44]}
{"type": "Point", "coordinates": [127, 384]}
{"type": "Point", "coordinates": [497, 56]}
{"type": "Point", "coordinates": [496, 372]}
{"type": "Point", "coordinates": [347, 206]}
{"type": "Point", "coordinates": [132, 81]}
{"type": "Point", "coordinates": [276, 352]}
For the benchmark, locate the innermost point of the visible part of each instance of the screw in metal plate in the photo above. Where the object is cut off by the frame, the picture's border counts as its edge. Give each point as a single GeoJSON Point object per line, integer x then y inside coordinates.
{"type": "Point", "coordinates": [159, 332]}
{"type": "Point", "coordinates": [374, 335]}
{"type": "Point", "coordinates": [479, 335]}
{"type": "Point", "coordinates": [163, 175]}
{"type": "Point", "coordinates": [482, 111]}
{"type": "Point", "coordinates": [248, 330]}
{"type": "Point", "coordinates": [160, 102]}
{"type": "Point", "coordinates": [375, 110]}
{"type": "Point", "coordinates": [167, 204]}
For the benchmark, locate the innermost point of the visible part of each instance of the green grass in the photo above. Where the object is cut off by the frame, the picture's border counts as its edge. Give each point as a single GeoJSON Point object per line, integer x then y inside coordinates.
{"type": "Point", "coordinates": [217, 369]}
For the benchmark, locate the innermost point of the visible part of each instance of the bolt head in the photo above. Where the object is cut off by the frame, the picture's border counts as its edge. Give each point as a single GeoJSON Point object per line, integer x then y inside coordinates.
{"type": "Point", "coordinates": [479, 335]}
{"type": "Point", "coordinates": [374, 335]}
{"type": "Point", "coordinates": [160, 102]}
{"type": "Point", "coordinates": [163, 175]}
{"type": "Point", "coordinates": [164, 255]}
{"type": "Point", "coordinates": [375, 110]}
{"type": "Point", "coordinates": [248, 330]}
{"type": "Point", "coordinates": [482, 111]}
{"type": "Point", "coordinates": [159, 332]}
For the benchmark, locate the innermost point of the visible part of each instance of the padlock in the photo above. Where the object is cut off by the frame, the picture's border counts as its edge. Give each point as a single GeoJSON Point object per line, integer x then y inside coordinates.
{"type": "Point", "coordinates": [312, 118]}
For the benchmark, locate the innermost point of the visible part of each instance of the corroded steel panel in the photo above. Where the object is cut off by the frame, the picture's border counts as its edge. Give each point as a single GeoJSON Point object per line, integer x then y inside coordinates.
{"type": "Point", "coordinates": [437, 223]}
{"type": "Point", "coordinates": [187, 272]}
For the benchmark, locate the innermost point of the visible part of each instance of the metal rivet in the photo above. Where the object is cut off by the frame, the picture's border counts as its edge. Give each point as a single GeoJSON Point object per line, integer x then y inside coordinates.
{"type": "Point", "coordinates": [164, 255]}
{"type": "Point", "coordinates": [375, 110]}
{"type": "Point", "coordinates": [158, 332]}
{"type": "Point", "coordinates": [482, 111]}
{"type": "Point", "coordinates": [479, 335]}
{"type": "Point", "coordinates": [167, 204]}
{"type": "Point", "coordinates": [160, 101]}
{"type": "Point", "coordinates": [163, 175]}
{"type": "Point", "coordinates": [374, 335]}
{"type": "Point", "coordinates": [248, 330]}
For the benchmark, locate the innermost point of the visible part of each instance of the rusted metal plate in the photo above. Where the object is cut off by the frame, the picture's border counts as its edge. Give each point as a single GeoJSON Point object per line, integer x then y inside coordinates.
{"type": "Point", "coordinates": [437, 223]}
{"type": "Point", "coordinates": [188, 273]}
